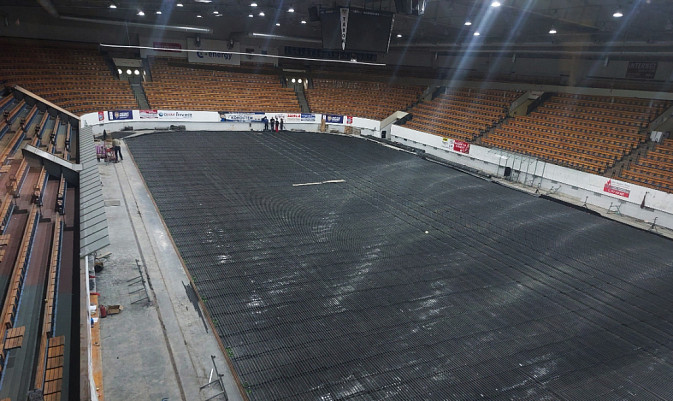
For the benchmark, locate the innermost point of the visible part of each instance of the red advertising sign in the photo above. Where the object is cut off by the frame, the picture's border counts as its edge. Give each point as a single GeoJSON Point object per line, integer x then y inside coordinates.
{"type": "Point", "coordinates": [460, 146]}
{"type": "Point", "coordinates": [616, 189]}
{"type": "Point", "coordinates": [349, 119]}
{"type": "Point", "coordinates": [168, 46]}
{"type": "Point", "coordinates": [148, 114]}
{"type": "Point", "coordinates": [101, 115]}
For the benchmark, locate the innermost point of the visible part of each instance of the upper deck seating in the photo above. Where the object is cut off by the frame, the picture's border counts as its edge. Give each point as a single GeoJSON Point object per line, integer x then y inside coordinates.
{"type": "Point", "coordinates": [586, 132]}
{"type": "Point", "coordinates": [462, 113]}
{"type": "Point", "coordinates": [182, 87]}
{"type": "Point", "coordinates": [75, 78]}
{"type": "Point", "coordinates": [375, 100]}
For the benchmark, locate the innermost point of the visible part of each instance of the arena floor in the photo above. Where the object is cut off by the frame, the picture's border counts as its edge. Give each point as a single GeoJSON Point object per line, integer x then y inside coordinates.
{"type": "Point", "coordinates": [407, 280]}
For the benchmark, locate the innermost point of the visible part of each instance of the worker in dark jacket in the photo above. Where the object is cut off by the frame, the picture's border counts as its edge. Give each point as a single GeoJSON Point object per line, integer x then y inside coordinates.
{"type": "Point", "coordinates": [272, 123]}
{"type": "Point", "coordinates": [266, 123]}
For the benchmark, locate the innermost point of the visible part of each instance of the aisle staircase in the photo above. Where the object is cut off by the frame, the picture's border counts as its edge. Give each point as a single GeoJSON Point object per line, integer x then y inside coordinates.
{"type": "Point", "coordinates": [301, 97]}
{"type": "Point", "coordinates": [139, 93]}
{"type": "Point", "coordinates": [632, 157]}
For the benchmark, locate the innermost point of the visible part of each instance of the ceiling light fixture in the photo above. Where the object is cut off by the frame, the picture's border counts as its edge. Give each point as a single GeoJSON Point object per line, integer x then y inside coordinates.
{"type": "Point", "coordinates": [216, 12]}
{"type": "Point", "coordinates": [250, 15]}
{"type": "Point", "coordinates": [112, 5]}
{"type": "Point", "coordinates": [290, 10]}
{"type": "Point", "coordinates": [277, 23]}
{"type": "Point", "coordinates": [476, 33]}
{"type": "Point", "coordinates": [303, 21]}
{"type": "Point", "coordinates": [496, 4]}
{"type": "Point", "coordinates": [141, 13]}
{"type": "Point", "coordinates": [552, 31]}
{"type": "Point", "coordinates": [128, 71]}
{"type": "Point", "coordinates": [253, 4]}
{"type": "Point", "coordinates": [399, 35]}
{"type": "Point", "coordinates": [158, 12]}
{"type": "Point", "coordinates": [261, 14]}
{"type": "Point", "coordinates": [136, 72]}
{"type": "Point", "coordinates": [179, 5]}
{"type": "Point", "coordinates": [618, 14]}
{"type": "Point", "coordinates": [468, 23]}
{"type": "Point", "coordinates": [119, 70]}
{"type": "Point", "coordinates": [198, 16]}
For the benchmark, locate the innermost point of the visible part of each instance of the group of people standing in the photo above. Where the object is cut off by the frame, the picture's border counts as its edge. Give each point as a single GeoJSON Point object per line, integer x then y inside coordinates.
{"type": "Point", "coordinates": [276, 124]}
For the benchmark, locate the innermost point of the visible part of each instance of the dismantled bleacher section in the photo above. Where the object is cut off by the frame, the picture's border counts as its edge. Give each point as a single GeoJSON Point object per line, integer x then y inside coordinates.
{"type": "Point", "coordinates": [37, 249]}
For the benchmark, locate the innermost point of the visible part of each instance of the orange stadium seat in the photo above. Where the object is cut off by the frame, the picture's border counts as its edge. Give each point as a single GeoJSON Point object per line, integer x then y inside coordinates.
{"type": "Point", "coordinates": [178, 86]}
{"type": "Point", "coordinates": [75, 78]}
{"type": "Point", "coordinates": [654, 169]}
{"type": "Point", "coordinates": [590, 133]}
{"type": "Point", "coordinates": [375, 100]}
{"type": "Point", "coordinates": [462, 113]}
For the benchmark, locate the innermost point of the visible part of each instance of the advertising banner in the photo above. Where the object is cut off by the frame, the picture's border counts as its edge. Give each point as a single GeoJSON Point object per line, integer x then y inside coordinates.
{"type": "Point", "coordinates": [455, 145]}
{"type": "Point", "coordinates": [307, 117]}
{"type": "Point", "coordinates": [174, 115]}
{"type": "Point", "coordinates": [460, 146]}
{"type": "Point", "coordinates": [119, 115]}
{"type": "Point", "coordinates": [615, 188]}
{"type": "Point", "coordinates": [334, 119]}
{"type": "Point", "coordinates": [214, 52]}
{"type": "Point", "coordinates": [349, 119]}
{"type": "Point", "coordinates": [260, 50]}
{"type": "Point", "coordinates": [241, 117]}
{"type": "Point", "coordinates": [143, 114]}
{"type": "Point", "coordinates": [101, 115]}
{"type": "Point", "coordinates": [159, 47]}
{"type": "Point", "coordinates": [169, 46]}
{"type": "Point", "coordinates": [641, 69]}
{"type": "Point", "coordinates": [291, 117]}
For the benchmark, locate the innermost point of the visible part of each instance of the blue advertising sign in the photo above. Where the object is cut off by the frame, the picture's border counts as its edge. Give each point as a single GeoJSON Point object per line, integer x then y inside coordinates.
{"type": "Point", "coordinates": [334, 119]}
{"type": "Point", "coordinates": [119, 115]}
{"type": "Point", "coordinates": [308, 117]}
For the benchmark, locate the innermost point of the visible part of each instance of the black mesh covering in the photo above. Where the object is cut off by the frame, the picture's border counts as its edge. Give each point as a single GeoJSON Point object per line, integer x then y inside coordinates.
{"type": "Point", "coordinates": [409, 280]}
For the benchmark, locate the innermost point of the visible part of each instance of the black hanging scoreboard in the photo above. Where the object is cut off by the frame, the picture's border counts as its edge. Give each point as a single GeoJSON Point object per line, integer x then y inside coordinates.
{"type": "Point", "coordinates": [354, 29]}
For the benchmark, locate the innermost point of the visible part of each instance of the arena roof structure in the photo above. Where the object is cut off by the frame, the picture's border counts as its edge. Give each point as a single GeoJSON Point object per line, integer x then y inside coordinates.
{"type": "Point", "coordinates": [445, 24]}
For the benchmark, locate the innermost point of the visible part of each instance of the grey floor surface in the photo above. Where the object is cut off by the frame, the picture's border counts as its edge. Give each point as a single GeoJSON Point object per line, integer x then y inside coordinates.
{"type": "Point", "coordinates": [159, 347]}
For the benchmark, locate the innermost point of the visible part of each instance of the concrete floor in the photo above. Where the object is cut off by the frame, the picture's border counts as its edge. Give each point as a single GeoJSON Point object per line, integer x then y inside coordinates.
{"type": "Point", "coordinates": [159, 347]}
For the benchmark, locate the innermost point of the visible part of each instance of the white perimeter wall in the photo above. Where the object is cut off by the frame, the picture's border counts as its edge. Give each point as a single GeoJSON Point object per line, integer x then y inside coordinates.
{"type": "Point", "coordinates": [549, 177]}
{"type": "Point", "coordinates": [211, 121]}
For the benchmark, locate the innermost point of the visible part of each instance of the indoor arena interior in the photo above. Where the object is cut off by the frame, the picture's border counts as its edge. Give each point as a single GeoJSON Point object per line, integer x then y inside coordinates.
{"type": "Point", "coordinates": [314, 200]}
